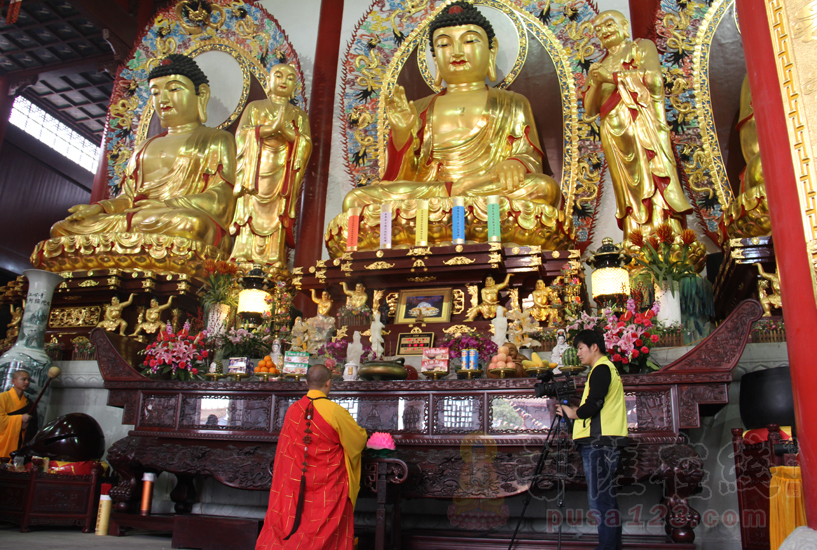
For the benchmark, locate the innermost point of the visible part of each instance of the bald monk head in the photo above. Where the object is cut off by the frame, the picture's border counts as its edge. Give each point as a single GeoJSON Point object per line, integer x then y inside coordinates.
{"type": "Point", "coordinates": [318, 377]}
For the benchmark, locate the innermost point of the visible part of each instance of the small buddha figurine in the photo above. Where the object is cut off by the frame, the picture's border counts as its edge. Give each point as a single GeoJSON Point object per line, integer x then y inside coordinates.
{"type": "Point", "coordinates": [276, 355]}
{"type": "Point", "coordinates": [543, 301]}
{"type": "Point", "coordinates": [274, 146]}
{"type": "Point", "coordinates": [324, 302]}
{"type": "Point", "coordinates": [626, 89]}
{"type": "Point", "coordinates": [490, 299]}
{"type": "Point", "coordinates": [470, 140]}
{"type": "Point", "coordinates": [300, 335]}
{"type": "Point", "coordinates": [13, 328]}
{"type": "Point", "coordinates": [354, 350]}
{"type": "Point", "coordinates": [113, 315]}
{"type": "Point", "coordinates": [500, 323]}
{"type": "Point", "coordinates": [152, 322]}
{"type": "Point", "coordinates": [376, 337]}
{"type": "Point", "coordinates": [355, 299]}
{"type": "Point", "coordinates": [769, 299]}
{"type": "Point", "coordinates": [559, 348]}
{"type": "Point", "coordinates": [178, 183]}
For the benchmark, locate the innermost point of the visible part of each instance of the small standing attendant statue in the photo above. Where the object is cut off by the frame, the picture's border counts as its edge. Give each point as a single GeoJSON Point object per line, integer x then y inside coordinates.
{"type": "Point", "coordinates": [500, 323]}
{"type": "Point", "coordinates": [544, 300]}
{"type": "Point", "coordinates": [377, 335]}
{"type": "Point", "coordinates": [490, 299]}
{"type": "Point", "coordinates": [324, 303]}
{"type": "Point", "coordinates": [354, 350]}
{"type": "Point", "coordinates": [274, 146]}
{"type": "Point", "coordinates": [113, 316]}
{"type": "Point", "coordinates": [626, 90]}
{"type": "Point", "coordinates": [152, 322]}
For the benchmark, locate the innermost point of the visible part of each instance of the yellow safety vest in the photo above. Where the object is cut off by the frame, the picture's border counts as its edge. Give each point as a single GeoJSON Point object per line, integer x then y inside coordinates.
{"type": "Point", "coordinates": [613, 414]}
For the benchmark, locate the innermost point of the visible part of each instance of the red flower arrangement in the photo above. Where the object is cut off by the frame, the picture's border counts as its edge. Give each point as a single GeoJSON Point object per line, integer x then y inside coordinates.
{"type": "Point", "coordinates": [182, 354]}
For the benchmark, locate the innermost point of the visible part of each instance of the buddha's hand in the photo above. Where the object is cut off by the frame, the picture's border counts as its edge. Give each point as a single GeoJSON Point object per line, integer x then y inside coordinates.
{"type": "Point", "coordinates": [509, 173]}
{"type": "Point", "coordinates": [402, 115]}
{"type": "Point", "coordinates": [82, 211]}
{"type": "Point", "coordinates": [600, 74]}
{"type": "Point", "coordinates": [146, 204]}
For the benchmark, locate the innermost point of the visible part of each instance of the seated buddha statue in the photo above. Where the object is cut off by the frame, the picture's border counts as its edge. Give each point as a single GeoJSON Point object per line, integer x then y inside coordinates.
{"type": "Point", "coordinates": [178, 183]}
{"type": "Point", "coordinates": [470, 140]}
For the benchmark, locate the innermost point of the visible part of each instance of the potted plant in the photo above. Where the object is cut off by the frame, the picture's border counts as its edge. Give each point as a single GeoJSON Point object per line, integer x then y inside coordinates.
{"type": "Point", "coordinates": [218, 295]}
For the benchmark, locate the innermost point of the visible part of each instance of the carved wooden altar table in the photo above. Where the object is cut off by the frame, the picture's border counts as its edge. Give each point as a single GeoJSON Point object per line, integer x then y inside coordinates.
{"type": "Point", "coordinates": [448, 432]}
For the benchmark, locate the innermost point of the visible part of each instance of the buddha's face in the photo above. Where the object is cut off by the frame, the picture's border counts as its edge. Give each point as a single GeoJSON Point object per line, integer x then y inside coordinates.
{"type": "Point", "coordinates": [489, 281]}
{"type": "Point", "coordinates": [115, 301]}
{"type": "Point", "coordinates": [540, 285]}
{"type": "Point", "coordinates": [154, 303]}
{"type": "Point", "coordinates": [175, 100]}
{"type": "Point", "coordinates": [462, 54]}
{"type": "Point", "coordinates": [283, 81]}
{"type": "Point", "coordinates": [611, 29]}
{"type": "Point", "coordinates": [360, 288]}
{"type": "Point", "coordinates": [325, 295]}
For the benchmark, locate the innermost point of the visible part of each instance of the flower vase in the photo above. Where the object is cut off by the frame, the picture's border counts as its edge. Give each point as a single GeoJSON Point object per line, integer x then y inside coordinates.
{"type": "Point", "coordinates": [670, 303]}
{"type": "Point", "coordinates": [28, 353]}
{"type": "Point", "coordinates": [217, 319]}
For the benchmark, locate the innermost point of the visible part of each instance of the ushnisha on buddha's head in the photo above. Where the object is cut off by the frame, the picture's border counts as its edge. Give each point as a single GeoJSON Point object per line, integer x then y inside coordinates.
{"type": "Point", "coordinates": [283, 79]}
{"type": "Point", "coordinates": [180, 91]}
{"type": "Point", "coordinates": [611, 28]}
{"type": "Point", "coordinates": [463, 44]}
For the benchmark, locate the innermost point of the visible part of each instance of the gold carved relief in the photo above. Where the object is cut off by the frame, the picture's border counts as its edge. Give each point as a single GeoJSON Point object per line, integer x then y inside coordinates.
{"type": "Point", "coordinates": [458, 301]}
{"type": "Point", "coordinates": [460, 260]}
{"type": "Point", "coordinates": [74, 317]}
{"type": "Point", "coordinates": [380, 265]}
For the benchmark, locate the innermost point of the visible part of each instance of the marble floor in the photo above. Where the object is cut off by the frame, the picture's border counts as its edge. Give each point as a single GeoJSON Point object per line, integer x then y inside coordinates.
{"type": "Point", "coordinates": [66, 538]}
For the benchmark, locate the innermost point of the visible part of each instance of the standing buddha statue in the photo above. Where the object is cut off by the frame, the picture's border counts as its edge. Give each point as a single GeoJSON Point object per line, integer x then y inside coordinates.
{"type": "Point", "coordinates": [178, 183]}
{"type": "Point", "coordinates": [626, 90]}
{"type": "Point", "coordinates": [274, 146]}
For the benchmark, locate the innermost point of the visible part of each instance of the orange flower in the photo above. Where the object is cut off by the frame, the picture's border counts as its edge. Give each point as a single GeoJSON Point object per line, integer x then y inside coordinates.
{"type": "Point", "coordinates": [689, 236]}
{"type": "Point", "coordinates": [226, 267]}
{"type": "Point", "coordinates": [653, 242]}
{"type": "Point", "coordinates": [664, 233]}
{"type": "Point", "coordinates": [636, 237]}
{"type": "Point", "coordinates": [210, 266]}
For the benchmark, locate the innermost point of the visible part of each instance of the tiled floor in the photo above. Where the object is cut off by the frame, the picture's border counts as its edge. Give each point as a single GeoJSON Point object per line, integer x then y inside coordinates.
{"type": "Point", "coordinates": [67, 538]}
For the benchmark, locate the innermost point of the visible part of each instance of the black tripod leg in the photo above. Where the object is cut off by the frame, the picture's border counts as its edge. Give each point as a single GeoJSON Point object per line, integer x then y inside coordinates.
{"type": "Point", "coordinates": [536, 473]}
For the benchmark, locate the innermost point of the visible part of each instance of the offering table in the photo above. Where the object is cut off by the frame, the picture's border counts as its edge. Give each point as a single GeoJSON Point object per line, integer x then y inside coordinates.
{"type": "Point", "coordinates": [433, 422]}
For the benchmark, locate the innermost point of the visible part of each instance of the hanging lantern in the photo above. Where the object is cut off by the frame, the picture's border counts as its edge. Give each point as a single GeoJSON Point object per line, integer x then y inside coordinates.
{"type": "Point", "coordinates": [253, 301]}
{"type": "Point", "coordinates": [610, 282]}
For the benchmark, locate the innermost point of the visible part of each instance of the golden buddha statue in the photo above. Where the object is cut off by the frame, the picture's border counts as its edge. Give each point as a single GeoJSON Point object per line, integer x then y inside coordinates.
{"type": "Point", "coordinates": [544, 302]}
{"type": "Point", "coordinates": [748, 215]}
{"type": "Point", "coordinates": [355, 299]}
{"type": "Point", "coordinates": [626, 90]}
{"type": "Point", "coordinates": [153, 315]}
{"type": "Point", "coordinates": [274, 146]}
{"type": "Point", "coordinates": [179, 183]}
{"type": "Point", "coordinates": [13, 328]}
{"type": "Point", "coordinates": [324, 302]}
{"type": "Point", "coordinates": [470, 140]}
{"type": "Point", "coordinates": [490, 299]}
{"type": "Point", "coordinates": [113, 315]}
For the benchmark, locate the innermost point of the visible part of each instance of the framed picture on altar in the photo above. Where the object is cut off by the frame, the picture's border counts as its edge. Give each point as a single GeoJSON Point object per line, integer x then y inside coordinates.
{"type": "Point", "coordinates": [432, 305]}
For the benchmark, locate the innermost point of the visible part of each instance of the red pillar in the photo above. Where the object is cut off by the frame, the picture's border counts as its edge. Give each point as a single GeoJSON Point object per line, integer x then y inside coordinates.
{"type": "Point", "coordinates": [321, 113]}
{"type": "Point", "coordinates": [99, 191]}
{"type": "Point", "coordinates": [643, 14]}
{"type": "Point", "coordinates": [799, 310]}
{"type": "Point", "coordinates": [6, 103]}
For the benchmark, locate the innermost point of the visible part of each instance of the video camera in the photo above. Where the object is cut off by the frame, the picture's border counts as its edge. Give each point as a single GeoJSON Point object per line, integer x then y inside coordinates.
{"type": "Point", "coordinates": [559, 387]}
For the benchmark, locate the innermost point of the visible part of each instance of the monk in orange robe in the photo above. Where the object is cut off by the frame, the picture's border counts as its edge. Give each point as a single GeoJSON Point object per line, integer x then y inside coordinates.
{"type": "Point", "coordinates": [316, 475]}
{"type": "Point", "coordinates": [14, 413]}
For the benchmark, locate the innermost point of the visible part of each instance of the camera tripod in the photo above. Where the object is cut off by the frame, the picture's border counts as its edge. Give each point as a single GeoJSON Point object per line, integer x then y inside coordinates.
{"type": "Point", "coordinates": [561, 472]}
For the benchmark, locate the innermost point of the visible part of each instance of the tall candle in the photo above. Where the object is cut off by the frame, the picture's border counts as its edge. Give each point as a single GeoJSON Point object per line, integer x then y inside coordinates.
{"type": "Point", "coordinates": [354, 227]}
{"type": "Point", "coordinates": [458, 221]}
{"type": "Point", "coordinates": [421, 235]}
{"type": "Point", "coordinates": [494, 229]}
{"type": "Point", "coordinates": [385, 225]}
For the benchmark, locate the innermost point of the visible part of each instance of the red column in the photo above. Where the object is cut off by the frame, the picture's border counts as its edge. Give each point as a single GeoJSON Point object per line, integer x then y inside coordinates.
{"type": "Point", "coordinates": [309, 241]}
{"type": "Point", "coordinates": [799, 310]}
{"type": "Point", "coordinates": [99, 191]}
{"type": "Point", "coordinates": [642, 18]}
{"type": "Point", "coordinates": [6, 103]}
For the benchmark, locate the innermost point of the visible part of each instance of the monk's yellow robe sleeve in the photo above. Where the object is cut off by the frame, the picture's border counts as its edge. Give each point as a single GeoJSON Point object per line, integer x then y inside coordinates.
{"type": "Point", "coordinates": [11, 426]}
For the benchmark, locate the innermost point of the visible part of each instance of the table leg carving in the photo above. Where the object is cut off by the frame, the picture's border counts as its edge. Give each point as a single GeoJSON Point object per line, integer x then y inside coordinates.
{"type": "Point", "coordinates": [184, 494]}
{"type": "Point", "coordinates": [682, 471]}
{"type": "Point", "coordinates": [127, 494]}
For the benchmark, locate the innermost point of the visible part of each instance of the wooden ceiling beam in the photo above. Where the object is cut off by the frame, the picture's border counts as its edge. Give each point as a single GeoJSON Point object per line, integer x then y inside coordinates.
{"type": "Point", "coordinates": [110, 15]}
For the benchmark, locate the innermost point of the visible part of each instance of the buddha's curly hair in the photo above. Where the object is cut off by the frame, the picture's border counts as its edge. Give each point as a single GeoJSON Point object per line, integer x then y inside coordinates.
{"type": "Point", "coordinates": [458, 14]}
{"type": "Point", "coordinates": [177, 63]}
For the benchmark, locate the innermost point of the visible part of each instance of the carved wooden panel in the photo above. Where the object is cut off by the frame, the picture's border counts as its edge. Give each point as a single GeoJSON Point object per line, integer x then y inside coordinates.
{"type": "Point", "coordinates": [56, 498]}
{"type": "Point", "coordinates": [690, 397]}
{"type": "Point", "coordinates": [653, 411]}
{"type": "Point", "coordinates": [510, 414]}
{"type": "Point", "coordinates": [158, 410]}
{"type": "Point", "coordinates": [457, 414]}
{"type": "Point", "coordinates": [226, 412]}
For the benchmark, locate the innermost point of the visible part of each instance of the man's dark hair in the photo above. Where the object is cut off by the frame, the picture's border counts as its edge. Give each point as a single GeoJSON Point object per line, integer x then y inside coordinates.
{"type": "Point", "coordinates": [589, 337]}
{"type": "Point", "coordinates": [456, 15]}
{"type": "Point", "coordinates": [177, 63]}
{"type": "Point", "coordinates": [317, 376]}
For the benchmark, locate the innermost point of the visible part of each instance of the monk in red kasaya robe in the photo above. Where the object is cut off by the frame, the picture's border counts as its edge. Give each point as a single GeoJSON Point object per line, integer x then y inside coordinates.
{"type": "Point", "coordinates": [316, 474]}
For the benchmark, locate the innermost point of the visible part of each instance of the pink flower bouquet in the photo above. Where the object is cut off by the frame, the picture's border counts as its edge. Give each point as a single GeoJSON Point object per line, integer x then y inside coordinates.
{"type": "Point", "coordinates": [381, 444]}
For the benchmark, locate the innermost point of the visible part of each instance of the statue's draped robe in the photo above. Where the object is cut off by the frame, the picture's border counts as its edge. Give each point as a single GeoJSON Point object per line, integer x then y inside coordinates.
{"type": "Point", "coordinates": [12, 408]}
{"type": "Point", "coordinates": [274, 168]}
{"type": "Point", "coordinates": [424, 169]}
{"type": "Point", "coordinates": [636, 142]}
{"type": "Point", "coordinates": [197, 192]}
{"type": "Point", "coordinates": [332, 479]}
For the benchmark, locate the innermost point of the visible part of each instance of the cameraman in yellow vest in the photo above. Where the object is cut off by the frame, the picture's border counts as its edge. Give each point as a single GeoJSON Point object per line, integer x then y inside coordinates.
{"type": "Point", "coordinates": [600, 431]}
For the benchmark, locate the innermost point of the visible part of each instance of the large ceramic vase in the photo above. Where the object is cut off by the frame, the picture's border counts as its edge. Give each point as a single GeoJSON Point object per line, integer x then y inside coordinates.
{"type": "Point", "coordinates": [670, 303]}
{"type": "Point", "coordinates": [28, 353]}
{"type": "Point", "coordinates": [217, 319]}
